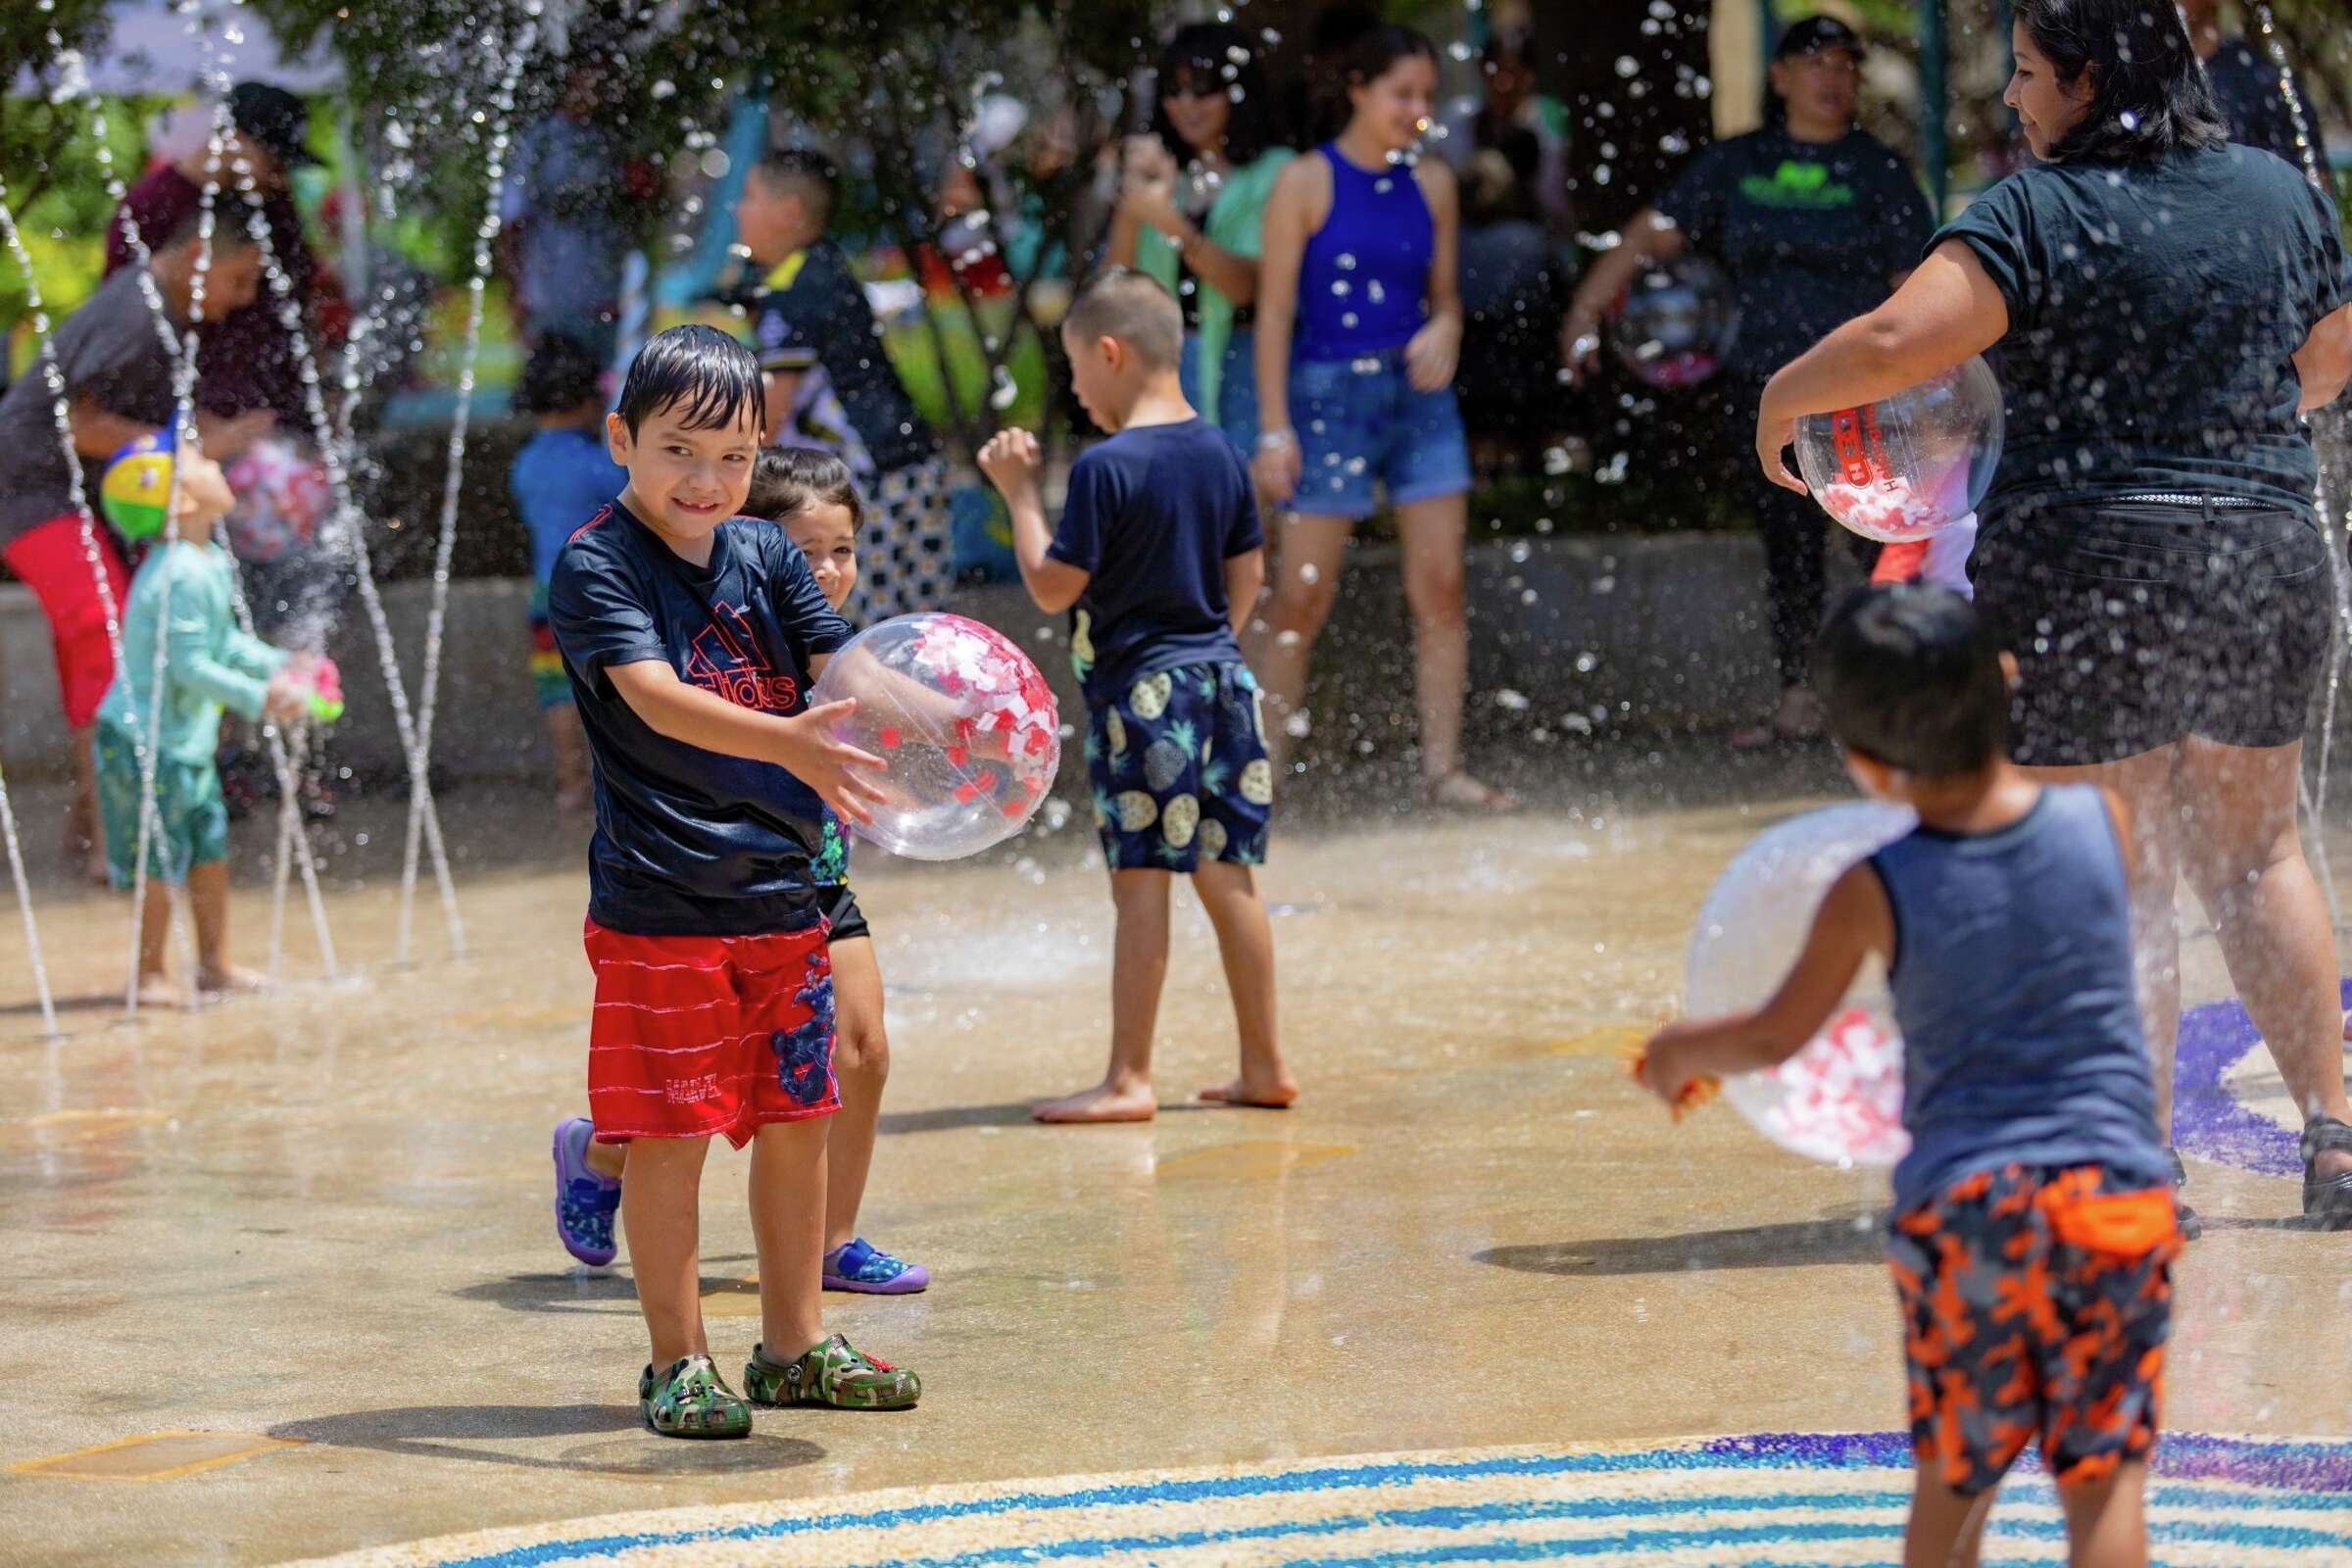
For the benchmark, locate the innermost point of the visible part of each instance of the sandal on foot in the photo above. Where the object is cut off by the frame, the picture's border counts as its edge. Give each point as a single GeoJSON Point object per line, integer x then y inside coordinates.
{"type": "Point", "coordinates": [692, 1400]}
{"type": "Point", "coordinates": [830, 1372]}
{"type": "Point", "coordinates": [585, 1200]}
{"type": "Point", "coordinates": [860, 1268]}
{"type": "Point", "coordinates": [2191, 1227]}
{"type": "Point", "coordinates": [2327, 1199]}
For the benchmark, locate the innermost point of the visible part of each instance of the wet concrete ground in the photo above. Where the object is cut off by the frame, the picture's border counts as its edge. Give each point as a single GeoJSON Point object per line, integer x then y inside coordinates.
{"type": "Point", "coordinates": [321, 1219]}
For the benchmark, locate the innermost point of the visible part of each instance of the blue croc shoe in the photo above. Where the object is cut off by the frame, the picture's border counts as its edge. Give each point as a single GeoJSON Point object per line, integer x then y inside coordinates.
{"type": "Point", "coordinates": [856, 1266]}
{"type": "Point", "coordinates": [585, 1202]}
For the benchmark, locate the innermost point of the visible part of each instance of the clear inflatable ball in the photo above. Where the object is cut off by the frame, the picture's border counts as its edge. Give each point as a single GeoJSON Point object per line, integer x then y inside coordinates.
{"type": "Point", "coordinates": [1677, 324]}
{"type": "Point", "coordinates": [283, 494]}
{"type": "Point", "coordinates": [1908, 466]}
{"type": "Point", "coordinates": [1841, 1098]}
{"type": "Point", "coordinates": [966, 721]}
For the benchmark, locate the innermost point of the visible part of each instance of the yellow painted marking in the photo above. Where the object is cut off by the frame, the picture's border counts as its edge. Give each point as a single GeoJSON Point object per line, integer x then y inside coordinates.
{"type": "Point", "coordinates": [78, 1125]}
{"type": "Point", "coordinates": [1610, 1039]}
{"type": "Point", "coordinates": [735, 1298]}
{"type": "Point", "coordinates": [156, 1456]}
{"type": "Point", "coordinates": [1250, 1160]}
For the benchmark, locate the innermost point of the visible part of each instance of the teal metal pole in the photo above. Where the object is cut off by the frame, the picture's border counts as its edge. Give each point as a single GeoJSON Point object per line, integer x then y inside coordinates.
{"type": "Point", "coordinates": [1768, 32]}
{"type": "Point", "coordinates": [1934, 107]}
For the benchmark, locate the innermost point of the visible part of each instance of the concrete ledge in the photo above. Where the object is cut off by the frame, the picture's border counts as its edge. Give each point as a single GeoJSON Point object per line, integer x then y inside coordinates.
{"type": "Point", "coordinates": [1662, 632]}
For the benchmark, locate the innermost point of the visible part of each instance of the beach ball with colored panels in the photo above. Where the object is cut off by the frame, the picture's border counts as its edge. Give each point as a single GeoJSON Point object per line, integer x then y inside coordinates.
{"type": "Point", "coordinates": [136, 491]}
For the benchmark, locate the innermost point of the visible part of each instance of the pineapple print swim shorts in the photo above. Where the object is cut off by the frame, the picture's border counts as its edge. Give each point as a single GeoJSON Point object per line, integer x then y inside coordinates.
{"type": "Point", "coordinates": [1178, 764]}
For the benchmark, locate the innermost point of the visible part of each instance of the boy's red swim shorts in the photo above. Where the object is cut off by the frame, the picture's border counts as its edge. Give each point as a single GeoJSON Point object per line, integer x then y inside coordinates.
{"type": "Point", "coordinates": [709, 1034]}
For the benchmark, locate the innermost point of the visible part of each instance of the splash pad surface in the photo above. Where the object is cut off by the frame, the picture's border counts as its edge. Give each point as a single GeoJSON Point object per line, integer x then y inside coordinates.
{"type": "Point", "coordinates": [292, 1255]}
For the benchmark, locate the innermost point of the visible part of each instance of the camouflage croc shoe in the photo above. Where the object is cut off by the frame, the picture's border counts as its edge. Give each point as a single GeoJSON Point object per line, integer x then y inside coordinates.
{"type": "Point", "coordinates": [692, 1400]}
{"type": "Point", "coordinates": [831, 1373]}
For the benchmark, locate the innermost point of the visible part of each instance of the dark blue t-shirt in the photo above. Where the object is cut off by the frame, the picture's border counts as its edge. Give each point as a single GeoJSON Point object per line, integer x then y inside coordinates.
{"type": "Point", "coordinates": [1812, 234]}
{"type": "Point", "coordinates": [691, 842]}
{"type": "Point", "coordinates": [2154, 311]}
{"type": "Point", "coordinates": [1153, 514]}
{"type": "Point", "coordinates": [560, 479]}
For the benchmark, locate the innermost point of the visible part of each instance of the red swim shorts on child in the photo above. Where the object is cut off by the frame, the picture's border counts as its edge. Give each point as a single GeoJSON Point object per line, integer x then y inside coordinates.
{"type": "Point", "coordinates": [709, 1034]}
{"type": "Point", "coordinates": [2035, 1307]}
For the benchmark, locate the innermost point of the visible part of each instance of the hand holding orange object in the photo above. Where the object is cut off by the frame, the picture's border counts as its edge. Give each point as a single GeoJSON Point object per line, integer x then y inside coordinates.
{"type": "Point", "coordinates": [1656, 1067]}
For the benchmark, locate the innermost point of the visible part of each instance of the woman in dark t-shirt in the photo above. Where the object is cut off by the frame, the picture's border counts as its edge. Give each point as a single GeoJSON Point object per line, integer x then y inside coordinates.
{"type": "Point", "coordinates": [2163, 305]}
{"type": "Point", "coordinates": [1814, 220]}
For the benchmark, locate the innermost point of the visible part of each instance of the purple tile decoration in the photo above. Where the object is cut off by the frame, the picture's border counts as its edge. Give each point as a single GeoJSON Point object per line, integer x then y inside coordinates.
{"type": "Point", "coordinates": [2208, 1120]}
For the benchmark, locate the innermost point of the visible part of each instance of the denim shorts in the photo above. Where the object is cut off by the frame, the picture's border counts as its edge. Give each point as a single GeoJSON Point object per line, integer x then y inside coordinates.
{"type": "Point", "coordinates": [2136, 625]}
{"type": "Point", "coordinates": [1359, 421]}
{"type": "Point", "coordinates": [1237, 388]}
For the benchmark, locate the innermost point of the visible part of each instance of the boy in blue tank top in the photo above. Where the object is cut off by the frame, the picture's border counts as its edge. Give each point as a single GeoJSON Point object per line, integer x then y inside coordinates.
{"type": "Point", "coordinates": [2035, 1226]}
{"type": "Point", "coordinates": [1158, 556]}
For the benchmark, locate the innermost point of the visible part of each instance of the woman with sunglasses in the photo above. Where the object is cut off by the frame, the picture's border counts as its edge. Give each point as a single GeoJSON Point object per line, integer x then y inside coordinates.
{"type": "Point", "coordinates": [1190, 205]}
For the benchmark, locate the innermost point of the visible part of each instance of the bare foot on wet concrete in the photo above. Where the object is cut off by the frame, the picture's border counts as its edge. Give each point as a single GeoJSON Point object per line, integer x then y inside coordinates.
{"type": "Point", "coordinates": [1111, 1101]}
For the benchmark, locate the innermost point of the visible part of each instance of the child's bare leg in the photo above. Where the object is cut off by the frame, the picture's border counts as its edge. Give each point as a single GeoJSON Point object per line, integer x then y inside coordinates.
{"type": "Point", "coordinates": [208, 893]}
{"type": "Point", "coordinates": [788, 1224]}
{"type": "Point", "coordinates": [861, 1067]}
{"type": "Point", "coordinates": [1139, 967]}
{"type": "Point", "coordinates": [156, 988]}
{"type": "Point", "coordinates": [1245, 942]}
{"type": "Point", "coordinates": [1947, 1527]}
{"type": "Point", "coordinates": [86, 829]}
{"type": "Point", "coordinates": [2106, 1521]}
{"type": "Point", "coordinates": [660, 1212]}
{"type": "Point", "coordinates": [606, 1159]}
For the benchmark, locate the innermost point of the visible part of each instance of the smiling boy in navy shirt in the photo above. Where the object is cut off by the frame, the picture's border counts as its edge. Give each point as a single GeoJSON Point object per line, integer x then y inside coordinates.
{"type": "Point", "coordinates": [689, 636]}
{"type": "Point", "coordinates": [1160, 555]}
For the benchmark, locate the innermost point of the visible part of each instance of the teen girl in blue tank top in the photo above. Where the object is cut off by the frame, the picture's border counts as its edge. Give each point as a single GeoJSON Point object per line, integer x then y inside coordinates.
{"type": "Point", "coordinates": [1358, 329]}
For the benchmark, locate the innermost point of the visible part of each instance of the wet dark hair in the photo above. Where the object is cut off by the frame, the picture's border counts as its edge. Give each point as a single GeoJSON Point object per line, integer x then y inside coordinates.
{"type": "Point", "coordinates": [1208, 51]}
{"type": "Point", "coordinates": [559, 375]}
{"type": "Point", "coordinates": [787, 479]}
{"type": "Point", "coordinates": [1912, 678]}
{"type": "Point", "coordinates": [2150, 95]}
{"type": "Point", "coordinates": [803, 171]}
{"type": "Point", "coordinates": [707, 377]}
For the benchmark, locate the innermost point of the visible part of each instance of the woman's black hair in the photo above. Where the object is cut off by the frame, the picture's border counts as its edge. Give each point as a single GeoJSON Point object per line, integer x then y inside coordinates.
{"type": "Point", "coordinates": [707, 377]}
{"type": "Point", "coordinates": [786, 479]}
{"type": "Point", "coordinates": [559, 375]}
{"type": "Point", "coordinates": [2150, 96]}
{"type": "Point", "coordinates": [1371, 57]}
{"type": "Point", "coordinates": [1912, 677]}
{"type": "Point", "coordinates": [1213, 52]}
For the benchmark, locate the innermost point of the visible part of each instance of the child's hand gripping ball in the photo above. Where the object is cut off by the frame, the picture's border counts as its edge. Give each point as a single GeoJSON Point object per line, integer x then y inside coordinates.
{"type": "Point", "coordinates": [965, 723]}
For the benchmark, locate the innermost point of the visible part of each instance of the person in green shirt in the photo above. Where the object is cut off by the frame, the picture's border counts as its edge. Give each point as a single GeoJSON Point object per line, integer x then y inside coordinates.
{"type": "Point", "coordinates": [183, 595]}
{"type": "Point", "coordinates": [1190, 201]}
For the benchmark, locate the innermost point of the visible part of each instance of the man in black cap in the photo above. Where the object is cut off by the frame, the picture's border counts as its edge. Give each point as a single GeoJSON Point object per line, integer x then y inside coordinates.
{"type": "Point", "coordinates": [1812, 220]}
{"type": "Point", "coordinates": [2246, 85]}
{"type": "Point", "coordinates": [247, 364]}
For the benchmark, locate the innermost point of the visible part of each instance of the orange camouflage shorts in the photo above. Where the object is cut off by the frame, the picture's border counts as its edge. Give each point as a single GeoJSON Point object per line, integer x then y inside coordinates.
{"type": "Point", "coordinates": [2035, 1304]}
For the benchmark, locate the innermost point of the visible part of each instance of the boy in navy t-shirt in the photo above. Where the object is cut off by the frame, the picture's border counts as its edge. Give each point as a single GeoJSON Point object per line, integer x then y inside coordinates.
{"type": "Point", "coordinates": [691, 636]}
{"type": "Point", "coordinates": [1160, 555]}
